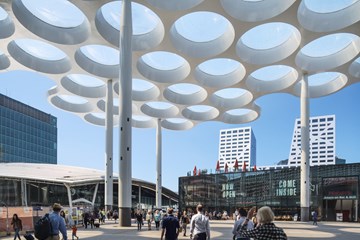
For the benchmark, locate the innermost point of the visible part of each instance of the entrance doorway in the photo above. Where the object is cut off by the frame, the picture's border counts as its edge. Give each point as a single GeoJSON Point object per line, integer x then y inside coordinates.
{"type": "Point", "coordinates": [340, 210]}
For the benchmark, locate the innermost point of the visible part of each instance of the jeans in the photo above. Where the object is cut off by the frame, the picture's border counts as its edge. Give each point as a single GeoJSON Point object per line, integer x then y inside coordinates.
{"type": "Point", "coordinates": [200, 236]}
{"type": "Point", "coordinates": [17, 234]}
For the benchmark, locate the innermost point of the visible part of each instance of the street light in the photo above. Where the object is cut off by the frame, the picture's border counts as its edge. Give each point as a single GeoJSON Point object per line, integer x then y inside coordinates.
{"type": "Point", "coordinates": [7, 218]}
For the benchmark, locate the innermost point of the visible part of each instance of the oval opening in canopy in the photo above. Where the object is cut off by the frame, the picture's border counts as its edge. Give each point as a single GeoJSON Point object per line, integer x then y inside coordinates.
{"type": "Point", "coordinates": [40, 49]}
{"type": "Point", "coordinates": [144, 19]}
{"type": "Point", "coordinates": [52, 12]}
{"type": "Point", "coordinates": [201, 26]}
{"type": "Point", "coordinates": [56, 20]}
{"type": "Point", "coordinates": [163, 60]}
{"type": "Point", "coordinates": [326, 6]}
{"type": "Point", "coordinates": [219, 66]}
{"type": "Point", "coordinates": [219, 72]}
{"type": "Point", "coordinates": [268, 35]}
{"type": "Point", "coordinates": [268, 43]}
{"type": "Point", "coordinates": [328, 45]}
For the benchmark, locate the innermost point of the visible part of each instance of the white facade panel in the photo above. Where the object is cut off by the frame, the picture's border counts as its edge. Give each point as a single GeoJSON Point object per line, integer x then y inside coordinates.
{"type": "Point", "coordinates": [237, 143]}
{"type": "Point", "coordinates": [322, 141]}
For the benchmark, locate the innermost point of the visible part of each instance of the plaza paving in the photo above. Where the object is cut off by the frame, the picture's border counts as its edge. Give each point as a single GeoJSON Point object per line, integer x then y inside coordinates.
{"type": "Point", "coordinates": [222, 230]}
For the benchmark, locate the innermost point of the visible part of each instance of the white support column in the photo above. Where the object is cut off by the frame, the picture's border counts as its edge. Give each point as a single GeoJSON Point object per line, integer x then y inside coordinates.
{"type": "Point", "coordinates": [125, 104]}
{"type": "Point", "coordinates": [356, 210]}
{"type": "Point", "coordinates": [69, 198]}
{"type": "Point", "coordinates": [305, 163]}
{"type": "Point", "coordinates": [140, 197]}
{"type": "Point", "coordinates": [109, 198]}
{"type": "Point", "coordinates": [158, 164]}
{"type": "Point", "coordinates": [23, 193]}
{"type": "Point", "coordinates": [95, 193]}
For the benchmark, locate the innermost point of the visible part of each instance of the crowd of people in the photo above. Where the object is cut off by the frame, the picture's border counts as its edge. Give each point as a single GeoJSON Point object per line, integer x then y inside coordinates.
{"type": "Point", "coordinates": [172, 226]}
{"type": "Point", "coordinates": [253, 224]}
{"type": "Point", "coordinates": [174, 223]}
{"type": "Point", "coordinates": [93, 219]}
{"type": "Point", "coordinates": [61, 222]}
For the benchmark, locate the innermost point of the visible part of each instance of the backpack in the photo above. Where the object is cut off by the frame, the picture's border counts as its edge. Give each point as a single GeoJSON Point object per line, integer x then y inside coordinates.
{"type": "Point", "coordinates": [28, 236]}
{"type": "Point", "coordinates": [43, 228]}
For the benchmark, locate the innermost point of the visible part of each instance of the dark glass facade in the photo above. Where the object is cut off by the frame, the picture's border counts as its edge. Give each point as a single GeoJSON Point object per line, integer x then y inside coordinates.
{"type": "Point", "coordinates": [334, 189]}
{"type": "Point", "coordinates": [26, 134]}
{"type": "Point", "coordinates": [41, 193]}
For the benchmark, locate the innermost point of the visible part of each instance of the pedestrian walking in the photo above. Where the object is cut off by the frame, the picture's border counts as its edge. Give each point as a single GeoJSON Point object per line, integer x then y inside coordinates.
{"type": "Point", "coordinates": [139, 219]}
{"type": "Point", "coordinates": [57, 224]}
{"type": "Point", "coordinates": [184, 220]}
{"type": "Point", "coordinates": [74, 232]}
{"type": "Point", "coordinates": [17, 226]}
{"type": "Point", "coordinates": [199, 225]}
{"type": "Point", "coordinates": [315, 218]}
{"type": "Point", "coordinates": [157, 218]}
{"type": "Point", "coordinates": [170, 226]}
{"type": "Point", "coordinates": [149, 219]}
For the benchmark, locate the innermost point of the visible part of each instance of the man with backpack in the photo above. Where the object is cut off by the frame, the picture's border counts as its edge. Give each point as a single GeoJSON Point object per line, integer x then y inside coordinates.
{"type": "Point", "coordinates": [170, 226]}
{"type": "Point", "coordinates": [57, 224]}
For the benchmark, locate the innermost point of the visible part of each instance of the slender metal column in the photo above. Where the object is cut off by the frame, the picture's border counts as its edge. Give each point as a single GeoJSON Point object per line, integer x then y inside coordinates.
{"type": "Point", "coordinates": [158, 164]}
{"type": "Point", "coordinates": [109, 198]}
{"type": "Point", "coordinates": [69, 198]}
{"type": "Point", "coordinates": [356, 210]}
{"type": "Point", "coordinates": [305, 164]}
{"type": "Point", "coordinates": [125, 100]}
{"type": "Point", "coordinates": [95, 193]}
{"type": "Point", "coordinates": [140, 197]}
{"type": "Point", "coordinates": [23, 193]}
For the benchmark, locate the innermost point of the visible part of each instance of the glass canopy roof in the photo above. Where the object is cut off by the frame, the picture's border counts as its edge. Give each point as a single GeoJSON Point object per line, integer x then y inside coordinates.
{"type": "Point", "coordinates": [193, 60]}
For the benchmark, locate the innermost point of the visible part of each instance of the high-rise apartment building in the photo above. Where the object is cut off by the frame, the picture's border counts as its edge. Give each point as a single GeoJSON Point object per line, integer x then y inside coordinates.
{"type": "Point", "coordinates": [26, 134]}
{"type": "Point", "coordinates": [237, 143]}
{"type": "Point", "coordinates": [322, 142]}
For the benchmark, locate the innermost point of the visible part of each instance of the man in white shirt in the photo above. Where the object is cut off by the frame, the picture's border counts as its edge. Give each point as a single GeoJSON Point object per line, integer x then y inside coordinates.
{"type": "Point", "coordinates": [199, 225]}
{"type": "Point", "coordinates": [238, 223]}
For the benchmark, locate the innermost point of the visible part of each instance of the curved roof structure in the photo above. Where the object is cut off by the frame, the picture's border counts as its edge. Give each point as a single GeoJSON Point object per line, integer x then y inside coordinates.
{"type": "Point", "coordinates": [62, 174]}
{"type": "Point", "coordinates": [51, 172]}
{"type": "Point", "coordinates": [193, 60]}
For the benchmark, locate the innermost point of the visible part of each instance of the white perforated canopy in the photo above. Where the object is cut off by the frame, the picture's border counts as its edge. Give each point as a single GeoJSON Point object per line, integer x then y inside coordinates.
{"type": "Point", "coordinates": [193, 60]}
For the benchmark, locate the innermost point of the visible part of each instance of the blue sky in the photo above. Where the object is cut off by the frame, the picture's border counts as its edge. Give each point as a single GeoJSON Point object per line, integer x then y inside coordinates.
{"type": "Point", "coordinates": [82, 144]}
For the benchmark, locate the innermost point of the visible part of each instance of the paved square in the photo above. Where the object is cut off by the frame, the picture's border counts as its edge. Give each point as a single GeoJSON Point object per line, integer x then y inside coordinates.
{"type": "Point", "coordinates": [222, 230]}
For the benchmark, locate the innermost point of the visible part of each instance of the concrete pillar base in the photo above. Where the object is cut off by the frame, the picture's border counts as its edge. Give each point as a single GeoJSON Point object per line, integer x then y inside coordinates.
{"type": "Point", "coordinates": [125, 217]}
{"type": "Point", "coordinates": [305, 214]}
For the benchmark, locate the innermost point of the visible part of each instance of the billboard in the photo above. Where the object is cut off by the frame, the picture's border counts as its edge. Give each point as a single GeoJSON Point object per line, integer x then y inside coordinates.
{"type": "Point", "coordinates": [340, 187]}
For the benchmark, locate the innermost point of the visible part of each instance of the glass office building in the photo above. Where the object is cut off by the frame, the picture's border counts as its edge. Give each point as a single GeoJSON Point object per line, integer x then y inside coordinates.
{"type": "Point", "coordinates": [334, 191]}
{"type": "Point", "coordinates": [26, 134]}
